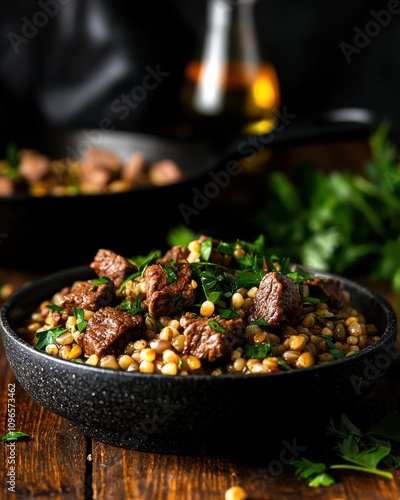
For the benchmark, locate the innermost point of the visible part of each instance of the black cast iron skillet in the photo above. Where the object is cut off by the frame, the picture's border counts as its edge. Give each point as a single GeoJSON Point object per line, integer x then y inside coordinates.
{"type": "Point", "coordinates": [50, 233]}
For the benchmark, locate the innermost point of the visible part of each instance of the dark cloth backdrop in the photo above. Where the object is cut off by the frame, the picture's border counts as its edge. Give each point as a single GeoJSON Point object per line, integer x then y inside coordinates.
{"type": "Point", "coordinates": [75, 63]}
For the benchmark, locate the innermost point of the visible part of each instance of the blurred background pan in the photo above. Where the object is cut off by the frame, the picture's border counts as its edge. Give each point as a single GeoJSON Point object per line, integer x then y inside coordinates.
{"type": "Point", "coordinates": [50, 233]}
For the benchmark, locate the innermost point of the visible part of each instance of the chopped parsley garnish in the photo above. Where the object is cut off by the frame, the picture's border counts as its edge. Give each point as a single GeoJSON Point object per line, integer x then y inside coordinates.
{"type": "Point", "coordinates": [337, 353]}
{"type": "Point", "coordinates": [228, 313]}
{"type": "Point", "coordinates": [80, 319]}
{"type": "Point", "coordinates": [13, 160]}
{"type": "Point", "coordinates": [99, 281]}
{"type": "Point", "coordinates": [159, 325]}
{"type": "Point", "coordinates": [129, 278]}
{"type": "Point", "coordinates": [171, 274]}
{"type": "Point", "coordinates": [226, 248]}
{"type": "Point", "coordinates": [217, 326]}
{"type": "Point", "coordinates": [248, 279]}
{"type": "Point", "coordinates": [49, 336]}
{"type": "Point", "coordinates": [259, 322]}
{"type": "Point", "coordinates": [311, 300]}
{"type": "Point", "coordinates": [300, 275]}
{"type": "Point", "coordinates": [102, 280]}
{"type": "Point", "coordinates": [132, 307]}
{"type": "Point", "coordinates": [211, 284]}
{"type": "Point", "coordinates": [179, 304]}
{"type": "Point", "coordinates": [259, 351]}
{"type": "Point", "coordinates": [205, 249]}
{"type": "Point", "coordinates": [143, 262]}
{"type": "Point", "coordinates": [55, 307]}
{"type": "Point", "coordinates": [151, 258]}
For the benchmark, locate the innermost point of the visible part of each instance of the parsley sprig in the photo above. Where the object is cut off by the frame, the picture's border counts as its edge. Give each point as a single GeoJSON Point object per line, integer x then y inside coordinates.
{"type": "Point", "coordinates": [369, 452]}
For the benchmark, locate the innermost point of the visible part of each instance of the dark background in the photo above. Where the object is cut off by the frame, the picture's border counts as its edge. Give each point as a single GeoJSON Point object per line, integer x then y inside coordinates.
{"type": "Point", "coordinates": [89, 53]}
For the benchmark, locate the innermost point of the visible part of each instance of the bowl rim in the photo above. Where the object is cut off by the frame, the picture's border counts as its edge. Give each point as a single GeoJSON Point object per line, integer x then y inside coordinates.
{"type": "Point", "coordinates": [388, 336]}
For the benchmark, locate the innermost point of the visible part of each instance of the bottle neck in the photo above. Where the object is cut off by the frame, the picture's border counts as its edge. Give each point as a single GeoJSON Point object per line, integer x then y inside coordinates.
{"type": "Point", "coordinates": [228, 86]}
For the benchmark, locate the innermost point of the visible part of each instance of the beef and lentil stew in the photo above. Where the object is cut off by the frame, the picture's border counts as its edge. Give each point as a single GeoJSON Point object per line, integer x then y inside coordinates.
{"type": "Point", "coordinates": [211, 307]}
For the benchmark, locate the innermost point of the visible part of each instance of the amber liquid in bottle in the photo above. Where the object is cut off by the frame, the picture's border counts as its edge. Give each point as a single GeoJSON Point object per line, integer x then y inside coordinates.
{"type": "Point", "coordinates": [228, 89]}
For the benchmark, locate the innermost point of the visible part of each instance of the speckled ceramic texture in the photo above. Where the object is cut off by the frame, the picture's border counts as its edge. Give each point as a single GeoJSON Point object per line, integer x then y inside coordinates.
{"type": "Point", "coordinates": [192, 414]}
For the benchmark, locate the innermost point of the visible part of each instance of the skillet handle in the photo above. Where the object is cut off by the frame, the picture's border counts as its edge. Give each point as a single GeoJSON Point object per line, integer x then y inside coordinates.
{"type": "Point", "coordinates": [340, 124]}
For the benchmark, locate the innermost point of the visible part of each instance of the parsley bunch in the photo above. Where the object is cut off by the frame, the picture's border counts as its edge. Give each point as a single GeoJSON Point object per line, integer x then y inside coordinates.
{"type": "Point", "coordinates": [369, 452]}
{"type": "Point", "coordinates": [342, 222]}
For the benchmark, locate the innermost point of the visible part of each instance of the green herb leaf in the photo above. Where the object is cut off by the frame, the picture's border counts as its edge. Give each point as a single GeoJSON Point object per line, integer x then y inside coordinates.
{"type": "Point", "coordinates": [360, 451]}
{"type": "Point", "coordinates": [12, 436]}
{"type": "Point", "coordinates": [228, 313]}
{"type": "Point", "coordinates": [205, 249]}
{"type": "Point", "coordinates": [387, 428]}
{"type": "Point", "coordinates": [216, 326]}
{"type": "Point", "coordinates": [55, 307]}
{"type": "Point", "coordinates": [102, 280]}
{"type": "Point", "coordinates": [181, 235]}
{"type": "Point", "coordinates": [171, 274]}
{"type": "Point", "coordinates": [49, 336]}
{"type": "Point", "coordinates": [259, 351]}
{"type": "Point", "coordinates": [132, 307]}
{"type": "Point", "coordinates": [315, 472]}
{"type": "Point", "coordinates": [13, 160]}
{"type": "Point", "coordinates": [179, 303]}
{"type": "Point", "coordinates": [259, 322]}
{"type": "Point", "coordinates": [129, 278]}
{"type": "Point", "coordinates": [80, 319]}
{"type": "Point", "coordinates": [248, 279]}
{"type": "Point", "coordinates": [226, 248]}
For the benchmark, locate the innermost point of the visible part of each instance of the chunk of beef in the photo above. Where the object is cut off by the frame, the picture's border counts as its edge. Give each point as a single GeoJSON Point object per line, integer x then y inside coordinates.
{"type": "Point", "coordinates": [277, 300]}
{"type": "Point", "coordinates": [164, 172]}
{"type": "Point", "coordinates": [161, 295]}
{"type": "Point", "coordinates": [108, 331]}
{"type": "Point", "coordinates": [10, 186]}
{"type": "Point", "coordinates": [34, 166]}
{"type": "Point", "coordinates": [114, 266]}
{"type": "Point", "coordinates": [177, 253]}
{"type": "Point", "coordinates": [325, 286]}
{"type": "Point", "coordinates": [97, 169]}
{"type": "Point", "coordinates": [207, 343]}
{"type": "Point", "coordinates": [135, 169]}
{"type": "Point", "coordinates": [88, 295]}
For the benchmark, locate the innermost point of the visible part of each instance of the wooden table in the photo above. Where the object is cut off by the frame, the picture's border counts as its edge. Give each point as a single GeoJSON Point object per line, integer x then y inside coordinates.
{"type": "Point", "coordinates": [59, 462]}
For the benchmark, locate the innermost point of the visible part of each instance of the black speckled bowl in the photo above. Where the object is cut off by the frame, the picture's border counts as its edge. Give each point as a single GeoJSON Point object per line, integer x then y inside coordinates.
{"type": "Point", "coordinates": [194, 414]}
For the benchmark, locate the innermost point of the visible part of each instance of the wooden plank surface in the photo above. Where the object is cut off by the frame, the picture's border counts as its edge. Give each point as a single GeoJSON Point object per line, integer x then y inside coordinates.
{"type": "Point", "coordinates": [51, 463]}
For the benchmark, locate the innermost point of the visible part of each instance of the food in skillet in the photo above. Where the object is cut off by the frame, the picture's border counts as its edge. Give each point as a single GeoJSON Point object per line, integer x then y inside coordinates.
{"type": "Point", "coordinates": [99, 171]}
{"type": "Point", "coordinates": [213, 307]}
